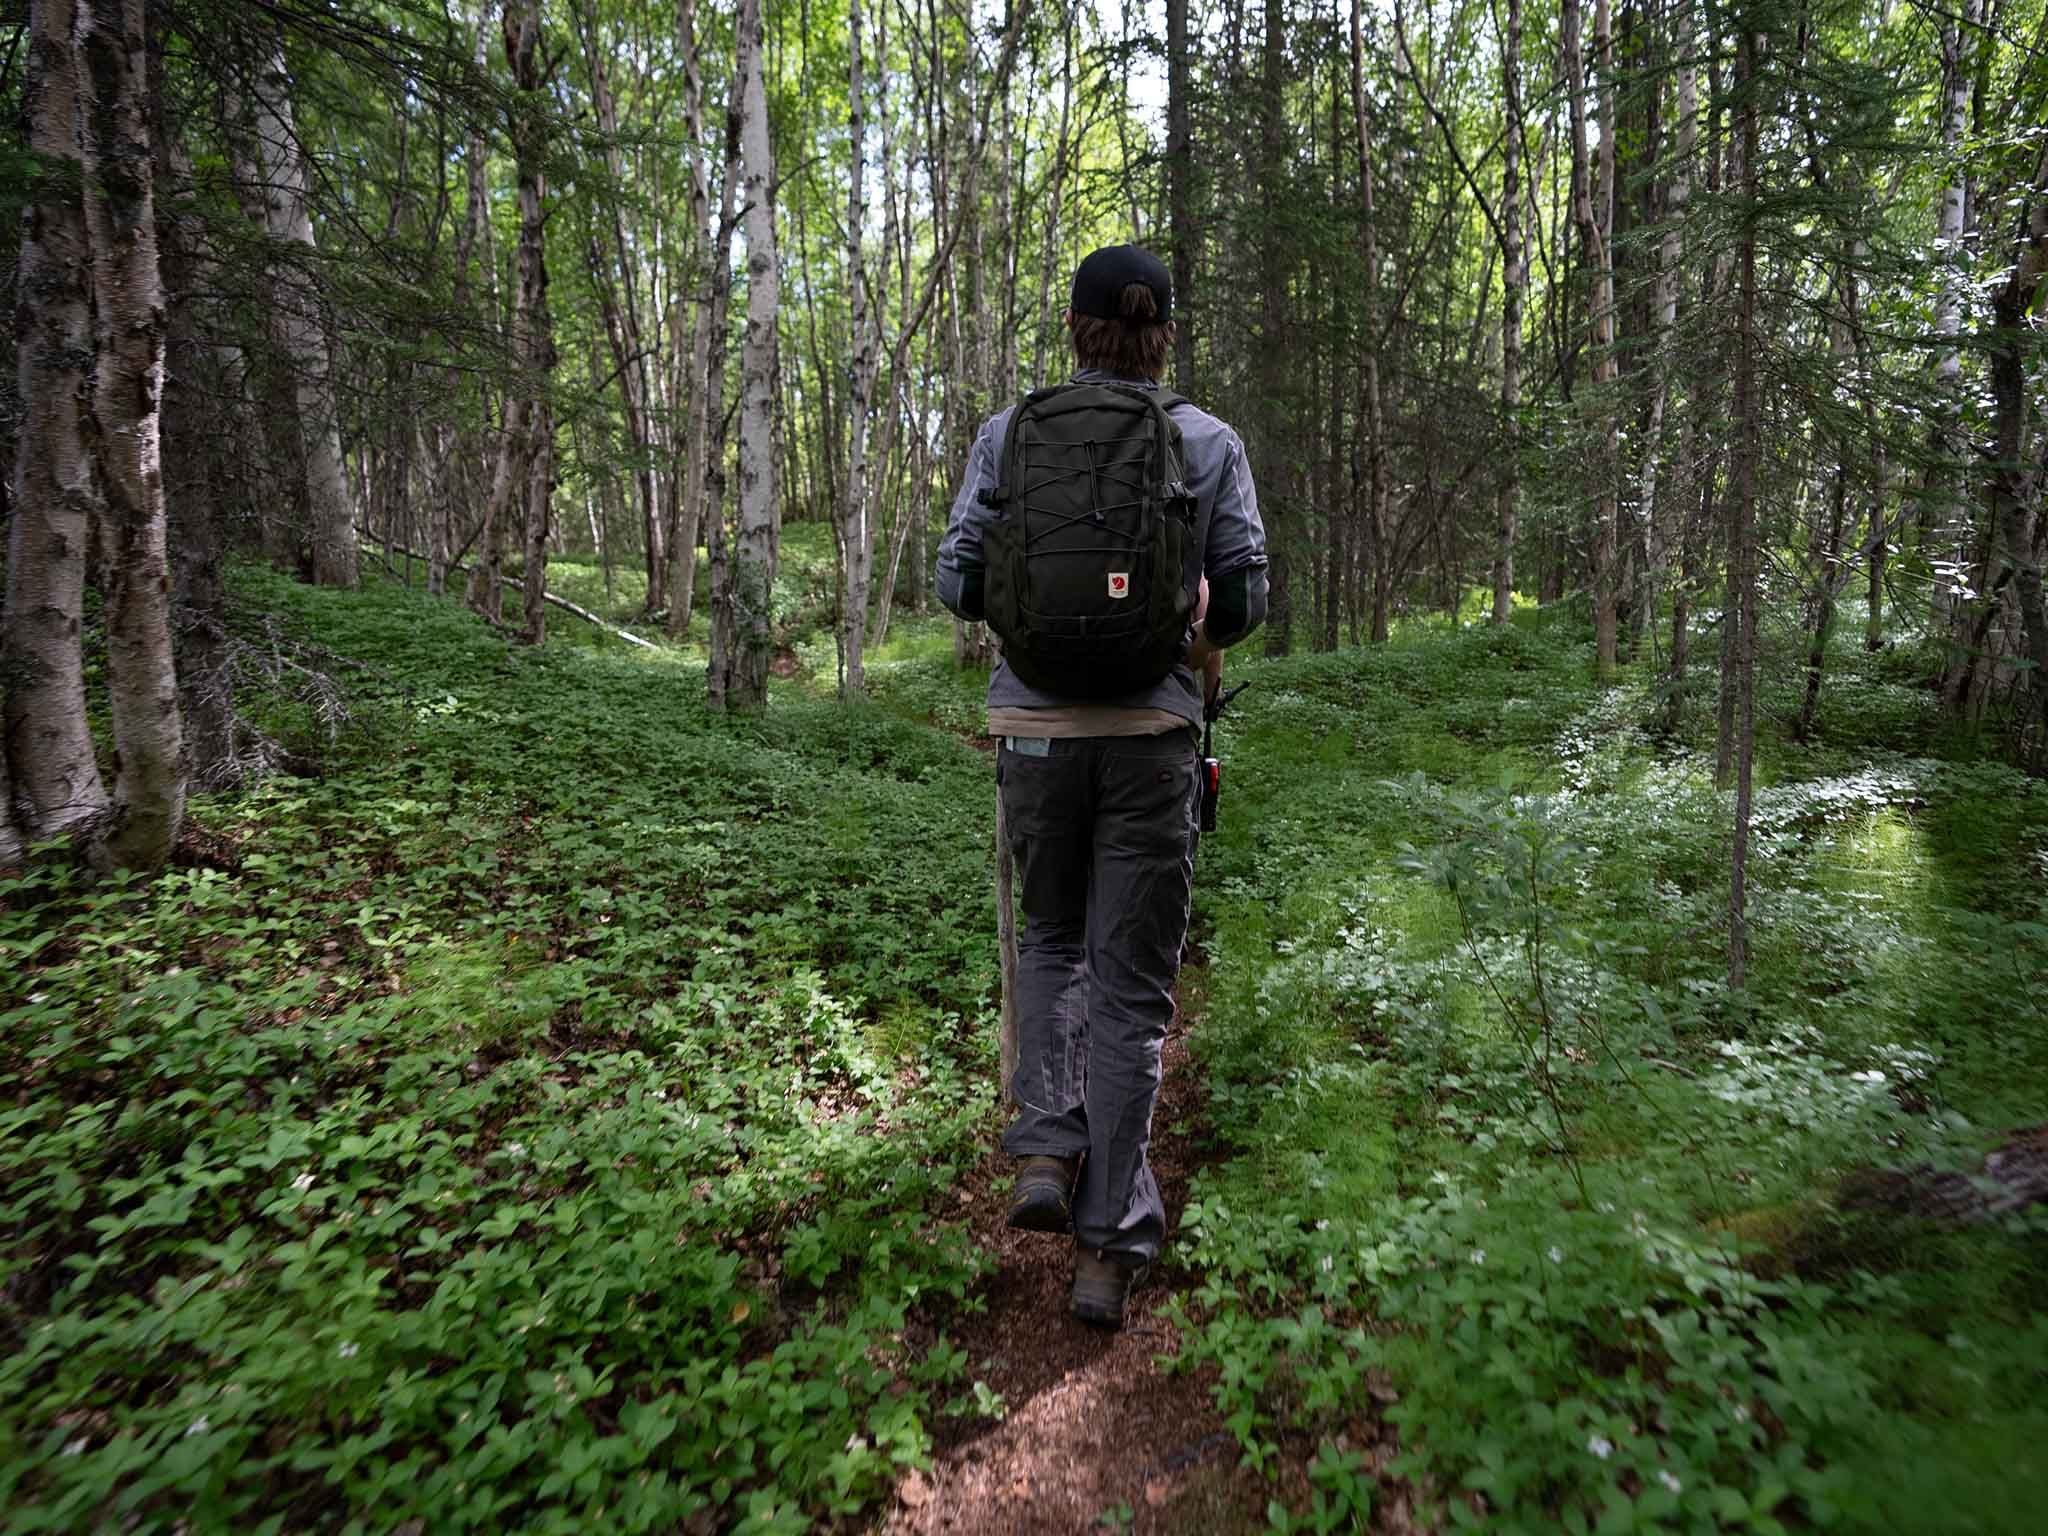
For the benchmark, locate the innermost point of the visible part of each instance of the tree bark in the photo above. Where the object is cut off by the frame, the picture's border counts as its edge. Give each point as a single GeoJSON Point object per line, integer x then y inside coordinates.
{"type": "Point", "coordinates": [191, 458]}
{"type": "Point", "coordinates": [1180, 193]}
{"type": "Point", "coordinates": [856, 536]}
{"type": "Point", "coordinates": [743, 681]}
{"type": "Point", "coordinates": [1742, 511]}
{"type": "Point", "coordinates": [1938, 513]}
{"type": "Point", "coordinates": [2015, 491]}
{"type": "Point", "coordinates": [619, 302]}
{"type": "Point", "coordinates": [1659, 496]}
{"type": "Point", "coordinates": [1377, 520]}
{"type": "Point", "coordinates": [49, 749]}
{"type": "Point", "coordinates": [1594, 226]}
{"type": "Point", "coordinates": [705, 427]}
{"type": "Point", "coordinates": [455, 449]}
{"type": "Point", "coordinates": [1275, 414]}
{"type": "Point", "coordinates": [125, 424]}
{"type": "Point", "coordinates": [299, 322]}
{"type": "Point", "coordinates": [1514, 283]}
{"type": "Point", "coordinates": [526, 465]}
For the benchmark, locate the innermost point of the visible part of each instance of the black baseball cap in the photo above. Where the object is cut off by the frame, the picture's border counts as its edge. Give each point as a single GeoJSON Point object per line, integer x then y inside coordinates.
{"type": "Point", "coordinates": [1100, 280]}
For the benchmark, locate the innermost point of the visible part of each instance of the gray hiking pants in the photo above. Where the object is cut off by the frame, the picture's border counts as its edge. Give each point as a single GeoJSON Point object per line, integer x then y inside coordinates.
{"type": "Point", "coordinates": [1102, 829]}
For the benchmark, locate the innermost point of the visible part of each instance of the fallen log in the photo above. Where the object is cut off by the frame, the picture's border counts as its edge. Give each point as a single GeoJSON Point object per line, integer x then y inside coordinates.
{"type": "Point", "coordinates": [513, 581]}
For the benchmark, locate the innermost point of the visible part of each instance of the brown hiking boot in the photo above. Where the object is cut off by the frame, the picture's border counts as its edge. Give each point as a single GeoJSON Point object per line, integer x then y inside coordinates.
{"type": "Point", "coordinates": [1102, 1285]}
{"type": "Point", "coordinates": [1043, 1199]}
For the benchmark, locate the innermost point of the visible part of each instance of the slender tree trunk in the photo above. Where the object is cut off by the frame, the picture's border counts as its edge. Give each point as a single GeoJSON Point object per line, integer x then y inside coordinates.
{"type": "Point", "coordinates": [619, 304]}
{"type": "Point", "coordinates": [856, 537]}
{"type": "Point", "coordinates": [722, 636]}
{"type": "Point", "coordinates": [1334, 502]}
{"type": "Point", "coordinates": [2015, 492]}
{"type": "Point", "coordinates": [1514, 283]}
{"type": "Point", "coordinates": [1940, 502]}
{"type": "Point", "coordinates": [299, 322]}
{"type": "Point", "coordinates": [705, 426]}
{"type": "Point", "coordinates": [540, 476]}
{"type": "Point", "coordinates": [1742, 511]}
{"type": "Point", "coordinates": [191, 454]}
{"type": "Point", "coordinates": [456, 447]}
{"type": "Point", "coordinates": [1378, 518]}
{"type": "Point", "coordinates": [56, 500]}
{"type": "Point", "coordinates": [1180, 192]}
{"type": "Point", "coordinates": [743, 683]}
{"type": "Point", "coordinates": [125, 423]}
{"type": "Point", "coordinates": [1275, 413]}
{"type": "Point", "coordinates": [527, 462]}
{"type": "Point", "coordinates": [1594, 224]}
{"type": "Point", "coordinates": [1661, 497]}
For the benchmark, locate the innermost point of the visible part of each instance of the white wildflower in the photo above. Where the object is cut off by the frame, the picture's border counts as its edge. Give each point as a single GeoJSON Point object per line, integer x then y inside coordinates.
{"type": "Point", "coordinates": [303, 1182]}
{"type": "Point", "coordinates": [1669, 1481]}
{"type": "Point", "coordinates": [198, 1426]}
{"type": "Point", "coordinates": [516, 1148]}
{"type": "Point", "coordinates": [1323, 1225]}
{"type": "Point", "coordinates": [1741, 1413]}
{"type": "Point", "coordinates": [1478, 1255]}
{"type": "Point", "coordinates": [1600, 1446]}
{"type": "Point", "coordinates": [75, 1447]}
{"type": "Point", "coordinates": [1556, 1254]}
{"type": "Point", "coordinates": [348, 1350]}
{"type": "Point", "coordinates": [1329, 1264]}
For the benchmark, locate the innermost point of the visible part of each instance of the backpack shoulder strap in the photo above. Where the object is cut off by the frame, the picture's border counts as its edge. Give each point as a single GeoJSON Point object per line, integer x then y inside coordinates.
{"type": "Point", "coordinates": [999, 494]}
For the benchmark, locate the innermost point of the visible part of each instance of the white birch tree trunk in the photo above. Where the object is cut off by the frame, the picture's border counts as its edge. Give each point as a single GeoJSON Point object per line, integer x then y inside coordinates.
{"type": "Point", "coordinates": [1940, 511]}
{"type": "Point", "coordinates": [1371, 405]}
{"type": "Point", "coordinates": [742, 682]}
{"type": "Point", "coordinates": [455, 452]}
{"type": "Point", "coordinates": [856, 543]}
{"type": "Point", "coordinates": [299, 324]}
{"type": "Point", "coordinates": [127, 398]}
{"type": "Point", "coordinates": [1656, 495]}
{"type": "Point", "coordinates": [49, 749]}
{"type": "Point", "coordinates": [526, 464]}
{"type": "Point", "coordinates": [1595, 225]}
{"type": "Point", "coordinates": [1514, 283]}
{"type": "Point", "coordinates": [703, 501]}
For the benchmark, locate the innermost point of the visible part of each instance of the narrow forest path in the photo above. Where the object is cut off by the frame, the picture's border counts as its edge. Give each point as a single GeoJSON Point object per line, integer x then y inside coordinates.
{"type": "Point", "coordinates": [1097, 1433]}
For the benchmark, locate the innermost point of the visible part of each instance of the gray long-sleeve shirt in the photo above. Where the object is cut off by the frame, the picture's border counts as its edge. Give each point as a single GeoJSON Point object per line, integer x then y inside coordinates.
{"type": "Point", "coordinates": [1219, 476]}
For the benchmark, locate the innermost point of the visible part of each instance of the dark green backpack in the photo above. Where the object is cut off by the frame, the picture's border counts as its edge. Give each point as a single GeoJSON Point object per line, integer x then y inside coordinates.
{"type": "Point", "coordinates": [1093, 556]}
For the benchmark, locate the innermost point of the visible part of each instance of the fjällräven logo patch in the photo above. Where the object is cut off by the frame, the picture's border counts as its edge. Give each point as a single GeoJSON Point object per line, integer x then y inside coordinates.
{"type": "Point", "coordinates": [1119, 583]}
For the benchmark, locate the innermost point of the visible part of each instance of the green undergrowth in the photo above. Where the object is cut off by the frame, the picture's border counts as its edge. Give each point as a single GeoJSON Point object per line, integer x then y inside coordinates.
{"type": "Point", "coordinates": [538, 1113]}
{"type": "Point", "coordinates": [1510, 1170]}
{"type": "Point", "coordinates": [540, 1108]}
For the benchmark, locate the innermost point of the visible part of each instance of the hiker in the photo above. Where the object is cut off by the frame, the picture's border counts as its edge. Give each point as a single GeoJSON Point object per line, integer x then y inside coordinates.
{"type": "Point", "coordinates": [1108, 532]}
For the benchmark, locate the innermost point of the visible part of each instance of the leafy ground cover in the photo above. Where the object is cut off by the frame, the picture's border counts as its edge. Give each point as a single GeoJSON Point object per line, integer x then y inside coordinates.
{"type": "Point", "coordinates": [529, 1120]}
{"type": "Point", "coordinates": [1508, 1158]}
{"type": "Point", "coordinates": [543, 1109]}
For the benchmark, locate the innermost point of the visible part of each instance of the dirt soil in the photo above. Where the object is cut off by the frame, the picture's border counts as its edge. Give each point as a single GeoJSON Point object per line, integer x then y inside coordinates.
{"type": "Point", "coordinates": [1096, 1436]}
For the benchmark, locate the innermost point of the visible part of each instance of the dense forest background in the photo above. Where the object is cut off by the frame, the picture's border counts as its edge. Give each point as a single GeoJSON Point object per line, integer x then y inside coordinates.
{"type": "Point", "coordinates": [1721, 321]}
{"type": "Point", "coordinates": [517, 1047]}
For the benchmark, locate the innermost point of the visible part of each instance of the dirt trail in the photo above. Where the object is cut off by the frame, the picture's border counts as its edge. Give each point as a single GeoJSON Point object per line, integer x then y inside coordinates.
{"type": "Point", "coordinates": [1093, 1422]}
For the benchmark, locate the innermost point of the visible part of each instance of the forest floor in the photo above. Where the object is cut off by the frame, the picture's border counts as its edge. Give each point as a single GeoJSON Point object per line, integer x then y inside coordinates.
{"type": "Point", "coordinates": [1094, 1431]}
{"type": "Point", "coordinates": [546, 1105]}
